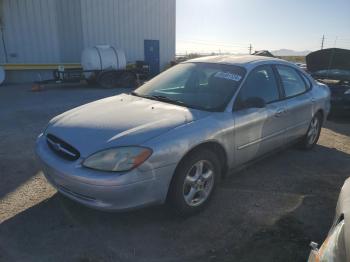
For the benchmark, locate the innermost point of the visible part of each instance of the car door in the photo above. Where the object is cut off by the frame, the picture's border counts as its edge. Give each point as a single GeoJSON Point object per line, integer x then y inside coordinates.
{"type": "Point", "coordinates": [258, 129]}
{"type": "Point", "coordinates": [298, 101]}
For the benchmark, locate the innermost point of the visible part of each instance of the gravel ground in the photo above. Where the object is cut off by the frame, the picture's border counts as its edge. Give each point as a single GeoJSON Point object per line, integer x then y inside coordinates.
{"type": "Point", "coordinates": [269, 211]}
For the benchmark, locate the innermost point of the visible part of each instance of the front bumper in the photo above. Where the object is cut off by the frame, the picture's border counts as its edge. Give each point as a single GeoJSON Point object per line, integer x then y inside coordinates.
{"type": "Point", "coordinates": [104, 190]}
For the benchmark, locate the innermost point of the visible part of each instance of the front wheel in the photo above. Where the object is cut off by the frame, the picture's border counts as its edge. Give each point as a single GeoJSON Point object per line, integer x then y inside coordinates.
{"type": "Point", "coordinates": [194, 182]}
{"type": "Point", "coordinates": [313, 133]}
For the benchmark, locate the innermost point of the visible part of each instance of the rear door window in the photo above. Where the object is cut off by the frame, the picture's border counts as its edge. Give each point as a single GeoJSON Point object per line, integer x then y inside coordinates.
{"type": "Point", "coordinates": [260, 83]}
{"type": "Point", "coordinates": [292, 81]}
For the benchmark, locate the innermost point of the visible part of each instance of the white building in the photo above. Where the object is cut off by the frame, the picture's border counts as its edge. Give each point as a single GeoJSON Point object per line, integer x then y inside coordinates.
{"type": "Point", "coordinates": [41, 34]}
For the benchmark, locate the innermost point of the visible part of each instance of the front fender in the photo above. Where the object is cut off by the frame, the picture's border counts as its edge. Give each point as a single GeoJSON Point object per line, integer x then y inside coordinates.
{"type": "Point", "coordinates": [170, 147]}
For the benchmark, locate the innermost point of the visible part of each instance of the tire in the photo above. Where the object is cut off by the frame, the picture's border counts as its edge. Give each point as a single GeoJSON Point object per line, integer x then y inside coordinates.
{"type": "Point", "coordinates": [108, 79]}
{"type": "Point", "coordinates": [191, 189]}
{"type": "Point", "coordinates": [128, 79]}
{"type": "Point", "coordinates": [117, 79]}
{"type": "Point", "coordinates": [313, 133]}
{"type": "Point", "coordinates": [91, 81]}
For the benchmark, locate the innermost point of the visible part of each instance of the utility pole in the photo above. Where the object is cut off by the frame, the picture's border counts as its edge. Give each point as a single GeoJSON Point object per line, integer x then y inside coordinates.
{"type": "Point", "coordinates": [250, 49]}
{"type": "Point", "coordinates": [322, 42]}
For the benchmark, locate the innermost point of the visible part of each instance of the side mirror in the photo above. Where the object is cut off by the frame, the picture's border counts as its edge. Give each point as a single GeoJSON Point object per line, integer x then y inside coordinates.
{"type": "Point", "coordinates": [254, 102]}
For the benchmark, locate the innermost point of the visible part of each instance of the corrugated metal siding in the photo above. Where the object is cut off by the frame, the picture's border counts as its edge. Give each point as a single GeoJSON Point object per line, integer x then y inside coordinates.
{"type": "Point", "coordinates": [70, 35]}
{"type": "Point", "coordinates": [49, 31]}
{"type": "Point", "coordinates": [2, 51]}
{"type": "Point", "coordinates": [126, 24]}
{"type": "Point", "coordinates": [168, 33]}
{"type": "Point", "coordinates": [2, 48]}
{"type": "Point", "coordinates": [31, 31]}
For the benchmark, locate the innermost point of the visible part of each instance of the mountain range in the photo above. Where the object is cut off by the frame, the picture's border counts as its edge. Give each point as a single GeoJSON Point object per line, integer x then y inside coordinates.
{"type": "Point", "coordinates": [289, 52]}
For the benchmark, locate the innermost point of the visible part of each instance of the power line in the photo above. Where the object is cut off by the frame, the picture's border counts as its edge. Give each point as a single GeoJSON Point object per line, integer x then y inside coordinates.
{"type": "Point", "coordinates": [214, 45]}
{"type": "Point", "coordinates": [211, 43]}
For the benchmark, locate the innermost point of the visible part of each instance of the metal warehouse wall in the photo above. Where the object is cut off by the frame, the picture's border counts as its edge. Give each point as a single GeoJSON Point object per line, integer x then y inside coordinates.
{"type": "Point", "coordinates": [2, 48]}
{"type": "Point", "coordinates": [56, 31]}
{"type": "Point", "coordinates": [30, 31]}
{"type": "Point", "coordinates": [69, 29]}
{"type": "Point", "coordinates": [127, 23]}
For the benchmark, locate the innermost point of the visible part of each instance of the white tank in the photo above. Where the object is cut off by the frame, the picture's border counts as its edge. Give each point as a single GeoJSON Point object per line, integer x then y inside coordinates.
{"type": "Point", "coordinates": [102, 57]}
{"type": "Point", "coordinates": [2, 75]}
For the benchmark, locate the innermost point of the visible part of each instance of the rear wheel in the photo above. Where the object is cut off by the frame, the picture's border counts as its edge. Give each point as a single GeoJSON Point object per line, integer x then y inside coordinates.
{"type": "Point", "coordinates": [313, 133]}
{"type": "Point", "coordinates": [117, 79]}
{"type": "Point", "coordinates": [194, 182]}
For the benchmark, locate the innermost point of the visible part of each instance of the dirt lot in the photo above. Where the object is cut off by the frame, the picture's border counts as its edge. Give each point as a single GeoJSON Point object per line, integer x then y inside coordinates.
{"type": "Point", "coordinates": [269, 211]}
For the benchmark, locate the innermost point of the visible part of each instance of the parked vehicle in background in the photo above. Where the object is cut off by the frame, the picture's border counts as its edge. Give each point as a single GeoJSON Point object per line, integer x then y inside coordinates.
{"type": "Point", "coordinates": [336, 247]}
{"type": "Point", "coordinates": [263, 53]}
{"type": "Point", "coordinates": [173, 138]}
{"type": "Point", "coordinates": [302, 66]}
{"type": "Point", "coordinates": [332, 67]}
{"type": "Point", "coordinates": [340, 95]}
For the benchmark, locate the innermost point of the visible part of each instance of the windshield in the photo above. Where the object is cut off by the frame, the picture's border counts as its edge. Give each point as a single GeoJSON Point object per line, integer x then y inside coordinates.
{"type": "Point", "coordinates": [203, 86]}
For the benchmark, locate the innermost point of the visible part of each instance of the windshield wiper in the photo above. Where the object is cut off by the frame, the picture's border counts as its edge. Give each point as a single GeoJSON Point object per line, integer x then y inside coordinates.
{"type": "Point", "coordinates": [160, 98]}
{"type": "Point", "coordinates": [143, 96]}
{"type": "Point", "coordinates": [136, 94]}
{"type": "Point", "coordinates": [167, 99]}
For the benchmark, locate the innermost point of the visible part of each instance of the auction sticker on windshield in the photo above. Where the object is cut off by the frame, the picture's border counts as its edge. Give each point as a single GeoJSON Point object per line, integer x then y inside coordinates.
{"type": "Point", "coordinates": [229, 76]}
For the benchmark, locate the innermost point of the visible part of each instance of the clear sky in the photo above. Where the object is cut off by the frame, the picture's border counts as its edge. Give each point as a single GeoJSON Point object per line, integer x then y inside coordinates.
{"type": "Point", "coordinates": [232, 25]}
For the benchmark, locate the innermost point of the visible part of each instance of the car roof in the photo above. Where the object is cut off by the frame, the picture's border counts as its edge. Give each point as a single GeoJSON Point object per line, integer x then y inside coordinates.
{"type": "Point", "coordinates": [246, 61]}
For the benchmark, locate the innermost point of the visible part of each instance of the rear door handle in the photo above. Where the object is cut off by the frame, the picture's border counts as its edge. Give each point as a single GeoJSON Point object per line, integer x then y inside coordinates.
{"type": "Point", "coordinates": [279, 112]}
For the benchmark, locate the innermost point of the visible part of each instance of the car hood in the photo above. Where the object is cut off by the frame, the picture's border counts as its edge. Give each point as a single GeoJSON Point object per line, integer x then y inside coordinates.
{"type": "Point", "coordinates": [118, 121]}
{"type": "Point", "coordinates": [331, 63]}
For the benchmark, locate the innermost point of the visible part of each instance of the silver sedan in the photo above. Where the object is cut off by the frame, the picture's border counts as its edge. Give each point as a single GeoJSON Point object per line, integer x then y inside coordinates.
{"type": "Point", "coordinates": [336, 247]}
{"type": "Point", "coordinates": [175, 137]}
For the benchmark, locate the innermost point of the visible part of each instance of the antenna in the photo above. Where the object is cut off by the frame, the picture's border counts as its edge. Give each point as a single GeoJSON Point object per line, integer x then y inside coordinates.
{"type": "Point", "coordinates": [322, 41]}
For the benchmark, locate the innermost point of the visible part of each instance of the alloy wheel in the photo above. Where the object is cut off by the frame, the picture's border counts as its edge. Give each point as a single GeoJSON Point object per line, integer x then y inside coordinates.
{"type": "Point", "coordinates": [313, 130]}
{"type": "Point", "coordinates": [199, 182]}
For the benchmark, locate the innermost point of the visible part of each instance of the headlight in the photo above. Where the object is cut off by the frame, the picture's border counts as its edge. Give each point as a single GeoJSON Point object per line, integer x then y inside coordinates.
{"type": "Point", "coordinates": [334, 247]}
{"type": "Point", "coordinates": [118, 159]}
{"type": "Point", "coordinates": [347, 92]}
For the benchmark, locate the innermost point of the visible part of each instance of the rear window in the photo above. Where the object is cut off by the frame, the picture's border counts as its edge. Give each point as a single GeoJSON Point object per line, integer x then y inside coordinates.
{"type": "Point", "coordinates": [292, 81]}
{"type": "Point", "coordinates": [306, 79]}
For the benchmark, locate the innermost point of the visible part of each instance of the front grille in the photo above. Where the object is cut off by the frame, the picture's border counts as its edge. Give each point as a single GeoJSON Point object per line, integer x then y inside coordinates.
{"type": "Point", "coordinates": [62, 148]}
